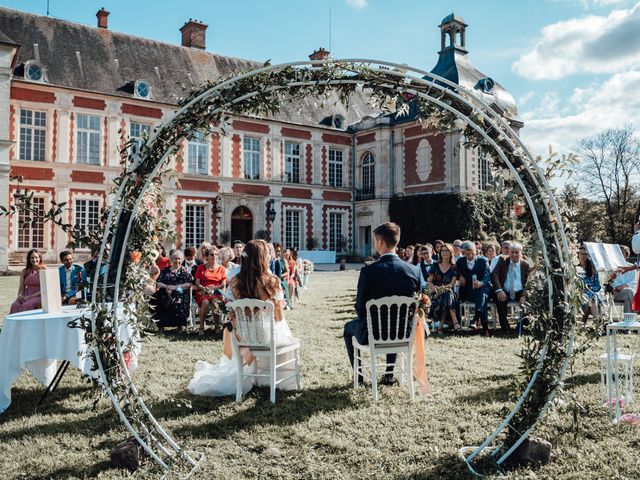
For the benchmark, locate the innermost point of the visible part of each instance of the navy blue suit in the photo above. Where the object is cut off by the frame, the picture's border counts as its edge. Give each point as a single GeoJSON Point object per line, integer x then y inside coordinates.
{"type": "Point", "coordinates": [388, 276]}
{"type": "Point", "coordinates": [478, 296]}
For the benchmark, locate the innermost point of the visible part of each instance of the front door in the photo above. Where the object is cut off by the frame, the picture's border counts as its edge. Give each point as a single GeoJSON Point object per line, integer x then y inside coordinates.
{"type": "Point", "coordinates": [365, 241]}
{"type": "Point", "coordinates": [241, 225]}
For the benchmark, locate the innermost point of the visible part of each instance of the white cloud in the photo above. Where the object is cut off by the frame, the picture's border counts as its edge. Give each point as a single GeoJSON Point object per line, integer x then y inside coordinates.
{"type": "Point", "coordinates": [357, 4]}
{"type": "Point", "coordinates": [526, 98]}
{"type": "Point", "coordinates": [590, 44]}
{"type": "Point", "coordinates": [612, 104]}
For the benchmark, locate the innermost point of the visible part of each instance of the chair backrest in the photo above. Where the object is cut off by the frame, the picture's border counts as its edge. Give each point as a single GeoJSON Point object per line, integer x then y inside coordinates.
{"type": "Point", "coordinates": [255, 322]}
{"type": "Point", "coordinates": [630, 317]}
{"type": "Point", "coordinates": [391, 319]}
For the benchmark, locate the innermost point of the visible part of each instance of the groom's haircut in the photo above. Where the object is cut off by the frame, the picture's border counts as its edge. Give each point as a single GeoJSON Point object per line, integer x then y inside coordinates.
{"type": "Point", "coordinates": [389, 232]}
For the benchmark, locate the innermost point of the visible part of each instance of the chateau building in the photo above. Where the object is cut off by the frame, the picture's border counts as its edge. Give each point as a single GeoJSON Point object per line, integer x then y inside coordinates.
{"type": "Point", "coordinates": [71, 95]}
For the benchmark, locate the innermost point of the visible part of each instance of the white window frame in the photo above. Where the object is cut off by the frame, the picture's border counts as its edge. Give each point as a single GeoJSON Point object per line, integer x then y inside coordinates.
{"type": "Point", "coordinates": [250, 156]}
{"type": "Point", "coordinates": [332, 167]}
{"type": "Point", "coordinates": [36, 134]}
{"type": "Point", "coordinates": [86, 198]}
{"type": "Point", "coordinates": [292, 162]}
{"type": "Point", "coordinates": [484, 172]}
{"type": "Point", "coordinates": [368, 173]}
{"type": "Point", "coordinates": [206, 231]}
{"type": "Point", "coordinates": [139, 137]}
{"type": "Point", "coordinates": [198, 154]}
{"type": "Point", "coordinates": [301, 227]}
{"type": "Point", "coordinates": [18, 228]}
{"type": "Point", "coordinates": [332, 236]}
{"type": "Point", "coordinates": [84, 155]}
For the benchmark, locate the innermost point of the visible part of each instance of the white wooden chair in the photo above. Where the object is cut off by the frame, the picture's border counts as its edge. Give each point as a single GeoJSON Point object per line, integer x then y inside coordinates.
{"type": "Point", "coordinates": [255, 325]}
{"type": "Point", "coordinates": [395, 335]}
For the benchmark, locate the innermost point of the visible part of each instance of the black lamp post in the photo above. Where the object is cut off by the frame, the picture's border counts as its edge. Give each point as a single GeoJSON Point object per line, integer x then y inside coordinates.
{"type": "Point", "coordinates": [271, 212]}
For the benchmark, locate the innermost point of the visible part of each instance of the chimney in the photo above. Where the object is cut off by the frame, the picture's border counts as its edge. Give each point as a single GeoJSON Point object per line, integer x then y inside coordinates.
{"type": "Point", "coordinates": [320, 54]}
{"type": "Point", "coordinates": [103, 18]}
{"type": "Point", "coordinates": [194, 34]}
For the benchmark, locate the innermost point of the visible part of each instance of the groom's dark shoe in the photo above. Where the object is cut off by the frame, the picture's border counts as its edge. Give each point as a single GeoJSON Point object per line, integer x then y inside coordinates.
{"type": "Point", "coordinates": [389, 380]}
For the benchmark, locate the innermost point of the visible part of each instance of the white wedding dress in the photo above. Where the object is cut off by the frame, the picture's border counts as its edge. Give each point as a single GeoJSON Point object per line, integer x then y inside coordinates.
{"type": "Point", "coordinates": [220, 380]}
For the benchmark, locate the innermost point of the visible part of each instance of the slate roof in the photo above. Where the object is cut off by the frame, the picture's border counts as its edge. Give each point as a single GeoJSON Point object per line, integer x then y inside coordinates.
{"type": "Point", "coordinates": [110, 62]}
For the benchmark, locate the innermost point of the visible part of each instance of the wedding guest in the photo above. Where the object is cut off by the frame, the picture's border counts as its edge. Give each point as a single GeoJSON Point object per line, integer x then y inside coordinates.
{"type": "Point", "coordinates": [71, 277]}
{"type": "Point", "coordinates": [408, 253]}
{"type": "Point", "coordinates": [388, 276]}
{"type": "Point", "coordinates": [238, 248]}
{"type": "Point", "coordinates": [437, 245]}
{"type": "Point", "coordinates": [479, 247]}
{"type": "Point", "coordinates": [190, 261]}
{"type": "Point", "coordinates": [162, 261]}
{"type": "Point", "coordinates": [154, 273]}
{"type": "Point", "coordinates": [473, 274]}
{"type": "Point", "coordinates": [225, 257]}
{"type": "Point", "coordinates": [29, 289]}
{"type": "Point", "coordinates": [589, 275]}
{"type": "Point", "coordinates": [172, 295]}
{"type": "Point", "coordinates": [417, 256]}
{"type": "Point", "coordinates": [90, 265]}
{"type": "Point", "coordinates": [290, 265]}
{"type": "Point", "coordinates": [425, 264]}
{"type": "Point", "coordinates": [509, 279]}
{"type": "Point", "coordinates": [202, 249]}
{"type": "Point", "coordinates": [457, 253]}
{"type": "Point", "coordinates": [504, 253]}
{"type": "Point", "coordinates": [489, 251]}
{"type": "Point", "coordinates": [625, 282]}
{"type": "Point", "coordinates": [209, 276]}
{"type": "Point", "coordinates": [442, 279]}
{"type": "Point", "coordinates": [401, 253]}
{"type": "Point", "coordinates": [279, 270]}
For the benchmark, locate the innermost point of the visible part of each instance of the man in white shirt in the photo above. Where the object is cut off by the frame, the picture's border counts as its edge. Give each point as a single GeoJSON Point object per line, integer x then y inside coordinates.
{"type": "Point", "coordinates": [425, 264]}
{"type": "Point", "coordinates": [625, 284]}
{"type": "Point", "coordinates": [509, 279]}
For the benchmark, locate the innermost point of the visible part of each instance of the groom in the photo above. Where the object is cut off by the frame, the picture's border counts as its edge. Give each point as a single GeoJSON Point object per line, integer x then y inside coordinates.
{"type": "Point", "coordinates": [388, 276]}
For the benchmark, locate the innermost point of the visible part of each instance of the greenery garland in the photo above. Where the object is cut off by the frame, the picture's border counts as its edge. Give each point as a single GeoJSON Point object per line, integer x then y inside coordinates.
{"type": "Point", "coordinates": [263, 94]}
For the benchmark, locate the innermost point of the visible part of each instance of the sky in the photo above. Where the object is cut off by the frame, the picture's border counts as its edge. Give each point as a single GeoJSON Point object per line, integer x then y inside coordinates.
{"type": "Point", "coordinates": [573, 66]}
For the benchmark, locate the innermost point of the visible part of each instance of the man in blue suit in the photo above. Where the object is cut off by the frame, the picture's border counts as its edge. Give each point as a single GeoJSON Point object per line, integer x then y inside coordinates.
{"type": "Point", "coordinates": [70, 278]}
{"type": "Point", "coordinates": [388, 276]}
{"type": "Point", "coordinates": [475, 282]}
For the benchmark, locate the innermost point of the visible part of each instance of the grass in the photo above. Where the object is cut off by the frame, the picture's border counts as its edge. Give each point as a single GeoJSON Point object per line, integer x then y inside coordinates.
{"type": "Point", "coordinates": [327, 430]}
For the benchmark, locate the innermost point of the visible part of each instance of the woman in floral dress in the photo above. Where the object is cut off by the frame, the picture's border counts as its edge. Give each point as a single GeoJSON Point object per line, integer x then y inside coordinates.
{"type": "Point", "coordinates": [174, 284]}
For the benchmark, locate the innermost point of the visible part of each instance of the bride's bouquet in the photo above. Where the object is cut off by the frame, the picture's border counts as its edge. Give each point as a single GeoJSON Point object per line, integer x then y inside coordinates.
{"type": "Point", "coordinates": [307, 267]}
{"type": "Point", "coordinates": [424, 303]}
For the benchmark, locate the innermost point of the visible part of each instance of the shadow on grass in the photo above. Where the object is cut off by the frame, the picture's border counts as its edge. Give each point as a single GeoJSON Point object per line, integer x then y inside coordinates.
{"type": "Point", "coordinates": [446, 466]}
{"type": "Point", "coordinates": [291, 408]}
{"type": "Point", "coordinates": [100, 423]}
{"type": "Point", "coordinates": [584, 379]}
{"type": "Point", "coordinates": [81, 471]}
{"type": "Point", "coordinates": [24, 402]}
{"type": "Point", "coordinates": [498, 393]}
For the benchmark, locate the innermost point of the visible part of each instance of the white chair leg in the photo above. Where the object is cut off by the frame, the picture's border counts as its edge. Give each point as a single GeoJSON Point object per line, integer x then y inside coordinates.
{"type": "Point", "coordinates": [410, 374]}
{"type": "Point", "coordinates": [402, 368]}
{"type": "Point", "coordinates": [239, 374]}
{"type": "Point", "coordinates": [272, 377]}
{"type": "Point", "coordinates": [374, 376]}
{"type": "Point", "coordinates": [356, 366]}
{"type": "Point", "coordinates": [297, 365]}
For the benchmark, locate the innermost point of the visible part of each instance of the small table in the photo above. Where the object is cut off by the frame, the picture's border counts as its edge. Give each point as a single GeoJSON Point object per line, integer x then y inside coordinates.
{"type": "Point", "coordinates": [613, 384]}
{"type": "Point", "coordinates": [35, 340]}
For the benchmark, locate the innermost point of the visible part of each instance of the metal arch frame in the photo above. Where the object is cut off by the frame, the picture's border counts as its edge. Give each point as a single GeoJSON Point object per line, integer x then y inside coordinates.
{"type": "Point", "coordinates": [440, 85]}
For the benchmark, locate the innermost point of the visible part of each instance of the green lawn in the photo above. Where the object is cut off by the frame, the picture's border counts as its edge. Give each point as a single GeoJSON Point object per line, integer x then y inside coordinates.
{"type": "Point", "coordinates": [325, 431]}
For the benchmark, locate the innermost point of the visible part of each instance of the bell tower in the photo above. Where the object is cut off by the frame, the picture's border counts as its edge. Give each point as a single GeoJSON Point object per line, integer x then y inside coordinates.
{"type": "Point", "coordinates": [452, 34]}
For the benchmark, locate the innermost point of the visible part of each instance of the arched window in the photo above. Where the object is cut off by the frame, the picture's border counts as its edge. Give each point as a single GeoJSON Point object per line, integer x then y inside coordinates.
{"type": "Point", "coordinates": [368, 174]}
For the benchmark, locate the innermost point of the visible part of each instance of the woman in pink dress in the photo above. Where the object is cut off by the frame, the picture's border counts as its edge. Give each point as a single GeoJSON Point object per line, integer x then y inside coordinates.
{"type": "Point", "coordinates": [29, 290]}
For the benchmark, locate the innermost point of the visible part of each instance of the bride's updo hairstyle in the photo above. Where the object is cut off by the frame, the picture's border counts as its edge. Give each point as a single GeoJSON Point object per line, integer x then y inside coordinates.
{"type": "Point", "coordinates": [254, 279]}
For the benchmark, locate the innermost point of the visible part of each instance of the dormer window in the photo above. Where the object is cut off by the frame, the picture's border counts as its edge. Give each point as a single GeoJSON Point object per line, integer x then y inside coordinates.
{"type": "Point", "coordinates": [142, 89]}
{"type": "Point", "coordinates": [34, 71]}
{"type": "Point", "coordinates": [338, 122]}
{"type": "Point", "coordinates": [485, 85]}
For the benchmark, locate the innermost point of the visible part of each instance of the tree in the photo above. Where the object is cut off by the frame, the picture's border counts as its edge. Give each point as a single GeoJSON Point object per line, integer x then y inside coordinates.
{"type": "Point", "coordinates": [588, 217]}
{"type": "Point", "coordinates": [609, 161]}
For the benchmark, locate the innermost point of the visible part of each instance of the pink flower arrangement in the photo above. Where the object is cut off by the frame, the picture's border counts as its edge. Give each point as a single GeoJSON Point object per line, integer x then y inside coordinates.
{"type": "Point", "coordinates": [631, 419]}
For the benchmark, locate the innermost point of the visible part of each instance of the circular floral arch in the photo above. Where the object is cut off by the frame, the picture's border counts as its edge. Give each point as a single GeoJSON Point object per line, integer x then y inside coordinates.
{"type": "Point", "coordinates": [392, 88]}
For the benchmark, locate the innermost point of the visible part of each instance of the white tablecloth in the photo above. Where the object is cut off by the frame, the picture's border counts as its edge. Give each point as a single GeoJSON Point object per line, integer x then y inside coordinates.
{"type": "Point", "coordinates": [34, 340]}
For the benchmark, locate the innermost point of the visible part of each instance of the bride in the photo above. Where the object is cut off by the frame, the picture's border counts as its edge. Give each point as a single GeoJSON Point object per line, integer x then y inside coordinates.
{"type": "Point", "coordinates": [253, 281]}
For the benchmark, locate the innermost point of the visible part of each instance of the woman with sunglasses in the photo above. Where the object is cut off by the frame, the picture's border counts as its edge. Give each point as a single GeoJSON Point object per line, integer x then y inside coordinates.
{"type": "Point", "coordinates": [209, 277]}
